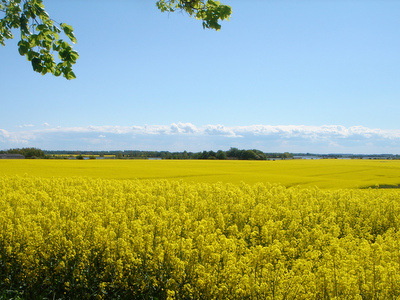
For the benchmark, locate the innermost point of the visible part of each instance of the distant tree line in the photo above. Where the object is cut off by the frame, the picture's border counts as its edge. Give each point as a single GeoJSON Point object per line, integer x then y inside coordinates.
{"type": "Point", "coordinates": [232, 153]}
{"type": "Point", "coordinates": [27, 152]}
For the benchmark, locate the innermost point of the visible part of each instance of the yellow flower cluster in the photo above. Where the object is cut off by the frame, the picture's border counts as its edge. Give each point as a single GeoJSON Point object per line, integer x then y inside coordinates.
{"type": "Point", "coordinates": [99, 238]}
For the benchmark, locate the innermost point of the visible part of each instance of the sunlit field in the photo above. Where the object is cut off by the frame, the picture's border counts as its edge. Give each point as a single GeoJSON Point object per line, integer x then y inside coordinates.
{"type": "Point", "coordinates": [305, 173]}
{"type": "Point", "coordinates": [71, 238]}
{"type": "Point", "coordinates": [142, 229]}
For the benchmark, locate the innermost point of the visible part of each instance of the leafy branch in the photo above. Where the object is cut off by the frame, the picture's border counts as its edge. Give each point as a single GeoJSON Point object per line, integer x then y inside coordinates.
{"type": "Point", "coordinates": [210, 12]}
{"type": "Point", "coordinates": [40, 37]}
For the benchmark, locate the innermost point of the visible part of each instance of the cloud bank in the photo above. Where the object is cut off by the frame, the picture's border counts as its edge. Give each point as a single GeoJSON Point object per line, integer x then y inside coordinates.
{"type": "Point", "coordinates": [187, 136]}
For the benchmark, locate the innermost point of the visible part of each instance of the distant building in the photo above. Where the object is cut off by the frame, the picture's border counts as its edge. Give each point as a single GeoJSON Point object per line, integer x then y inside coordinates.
{"type": "Point", "coordinates": [11, 156]}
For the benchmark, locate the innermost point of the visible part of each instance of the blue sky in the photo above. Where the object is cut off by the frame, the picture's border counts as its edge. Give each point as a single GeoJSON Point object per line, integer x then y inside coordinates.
{"type": "Point", "coordinates": [298, 76]}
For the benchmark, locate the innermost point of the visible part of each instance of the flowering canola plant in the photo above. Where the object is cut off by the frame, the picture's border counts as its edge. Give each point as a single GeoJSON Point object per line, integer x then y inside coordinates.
{"type": "Point", "coordinates": [324, 173]}
{"type": "Point", "coordinates": [156, 239]}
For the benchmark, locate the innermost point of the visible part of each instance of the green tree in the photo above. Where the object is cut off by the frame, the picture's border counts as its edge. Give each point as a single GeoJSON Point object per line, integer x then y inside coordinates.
{"type": "Point", "coordinates": [221, 155]}
{"type": "Point", "coordinates": [204, 155]}
{"type": "Point", "coordinates": [233, 153]}
{"type": "Point", "coordinates": [40, 35]}
{"type": "Point", "coordinates": [248, 154]}
{"type": "Point", "coordinates": [28, 152]}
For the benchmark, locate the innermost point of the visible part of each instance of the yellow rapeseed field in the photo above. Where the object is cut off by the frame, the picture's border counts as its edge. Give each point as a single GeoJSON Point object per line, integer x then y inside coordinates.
{"type": "Point", "coordinates": [306, 173]}
{"type": "Point", "coordinates": [199, 230]}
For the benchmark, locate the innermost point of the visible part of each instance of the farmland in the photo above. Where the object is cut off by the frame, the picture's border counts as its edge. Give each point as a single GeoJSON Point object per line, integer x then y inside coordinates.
{"type": "Point", "coordinates": [305, 173]}
{"type": "Point", "coordinates": [199, 230]}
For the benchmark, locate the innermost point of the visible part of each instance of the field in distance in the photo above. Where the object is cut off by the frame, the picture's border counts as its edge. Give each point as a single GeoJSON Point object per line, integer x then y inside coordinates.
{"type": "Point", "coordinates": [305, 173]}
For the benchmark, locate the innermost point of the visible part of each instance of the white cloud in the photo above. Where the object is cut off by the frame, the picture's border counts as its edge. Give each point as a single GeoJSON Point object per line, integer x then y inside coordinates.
{"type": "Point", "coordinates": [220, 130]}
{"type": "Point", "coordinates": [12, 137]}
{"type": "Point", "coordinates": [4, 134]}
{"type": "Point", "coordinates": [294, 138]}
{"type": "Point", "coordinates": [26, 125]}
{"type": "Point", "coordinates": [45, 124]}
{"type": "Point", "coordinates": [183, 128]}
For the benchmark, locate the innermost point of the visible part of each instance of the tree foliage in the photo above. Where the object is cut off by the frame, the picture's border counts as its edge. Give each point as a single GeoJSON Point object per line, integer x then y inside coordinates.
{"type": "Point", "coordinates": [210, 12]}
{"type": "Point", "coordinates": [39, 36]}
{"type": "Point", "coordinates": [28, 152]}
{"type": "Point", "coordinates": [48, 44]}
{"type": "Point", "coordinates": [232, 153]}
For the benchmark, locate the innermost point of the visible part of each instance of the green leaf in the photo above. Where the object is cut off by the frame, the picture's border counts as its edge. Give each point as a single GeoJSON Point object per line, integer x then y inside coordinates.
{"type": "Point", "coordinates": [70, 75]}
{"type": "Point", "coordinates": [56, 47]}
{"type": "Point", "coordinates": [67, 28]}
{"type": "Point", "coordinates": [41, 27]}
{"type": "Point", "coordinates": [8, 34]}
{"type": "Point", "coordinates": [56, 29]}
{"type": "Point", "coordinates": [74, 55]}
{"type": "Point", "coordinates": [73, 39]}
{"type": "Point", "coordinates": [69, 32]}
{"type": "Point", "coordinates": [31, 54]}
{"type": "Point", "coordinates": [23, 47]}
{"type": "Point", "coordinates": [36, 64]}
{"type": "Point", "coordinates": [57, 72]}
